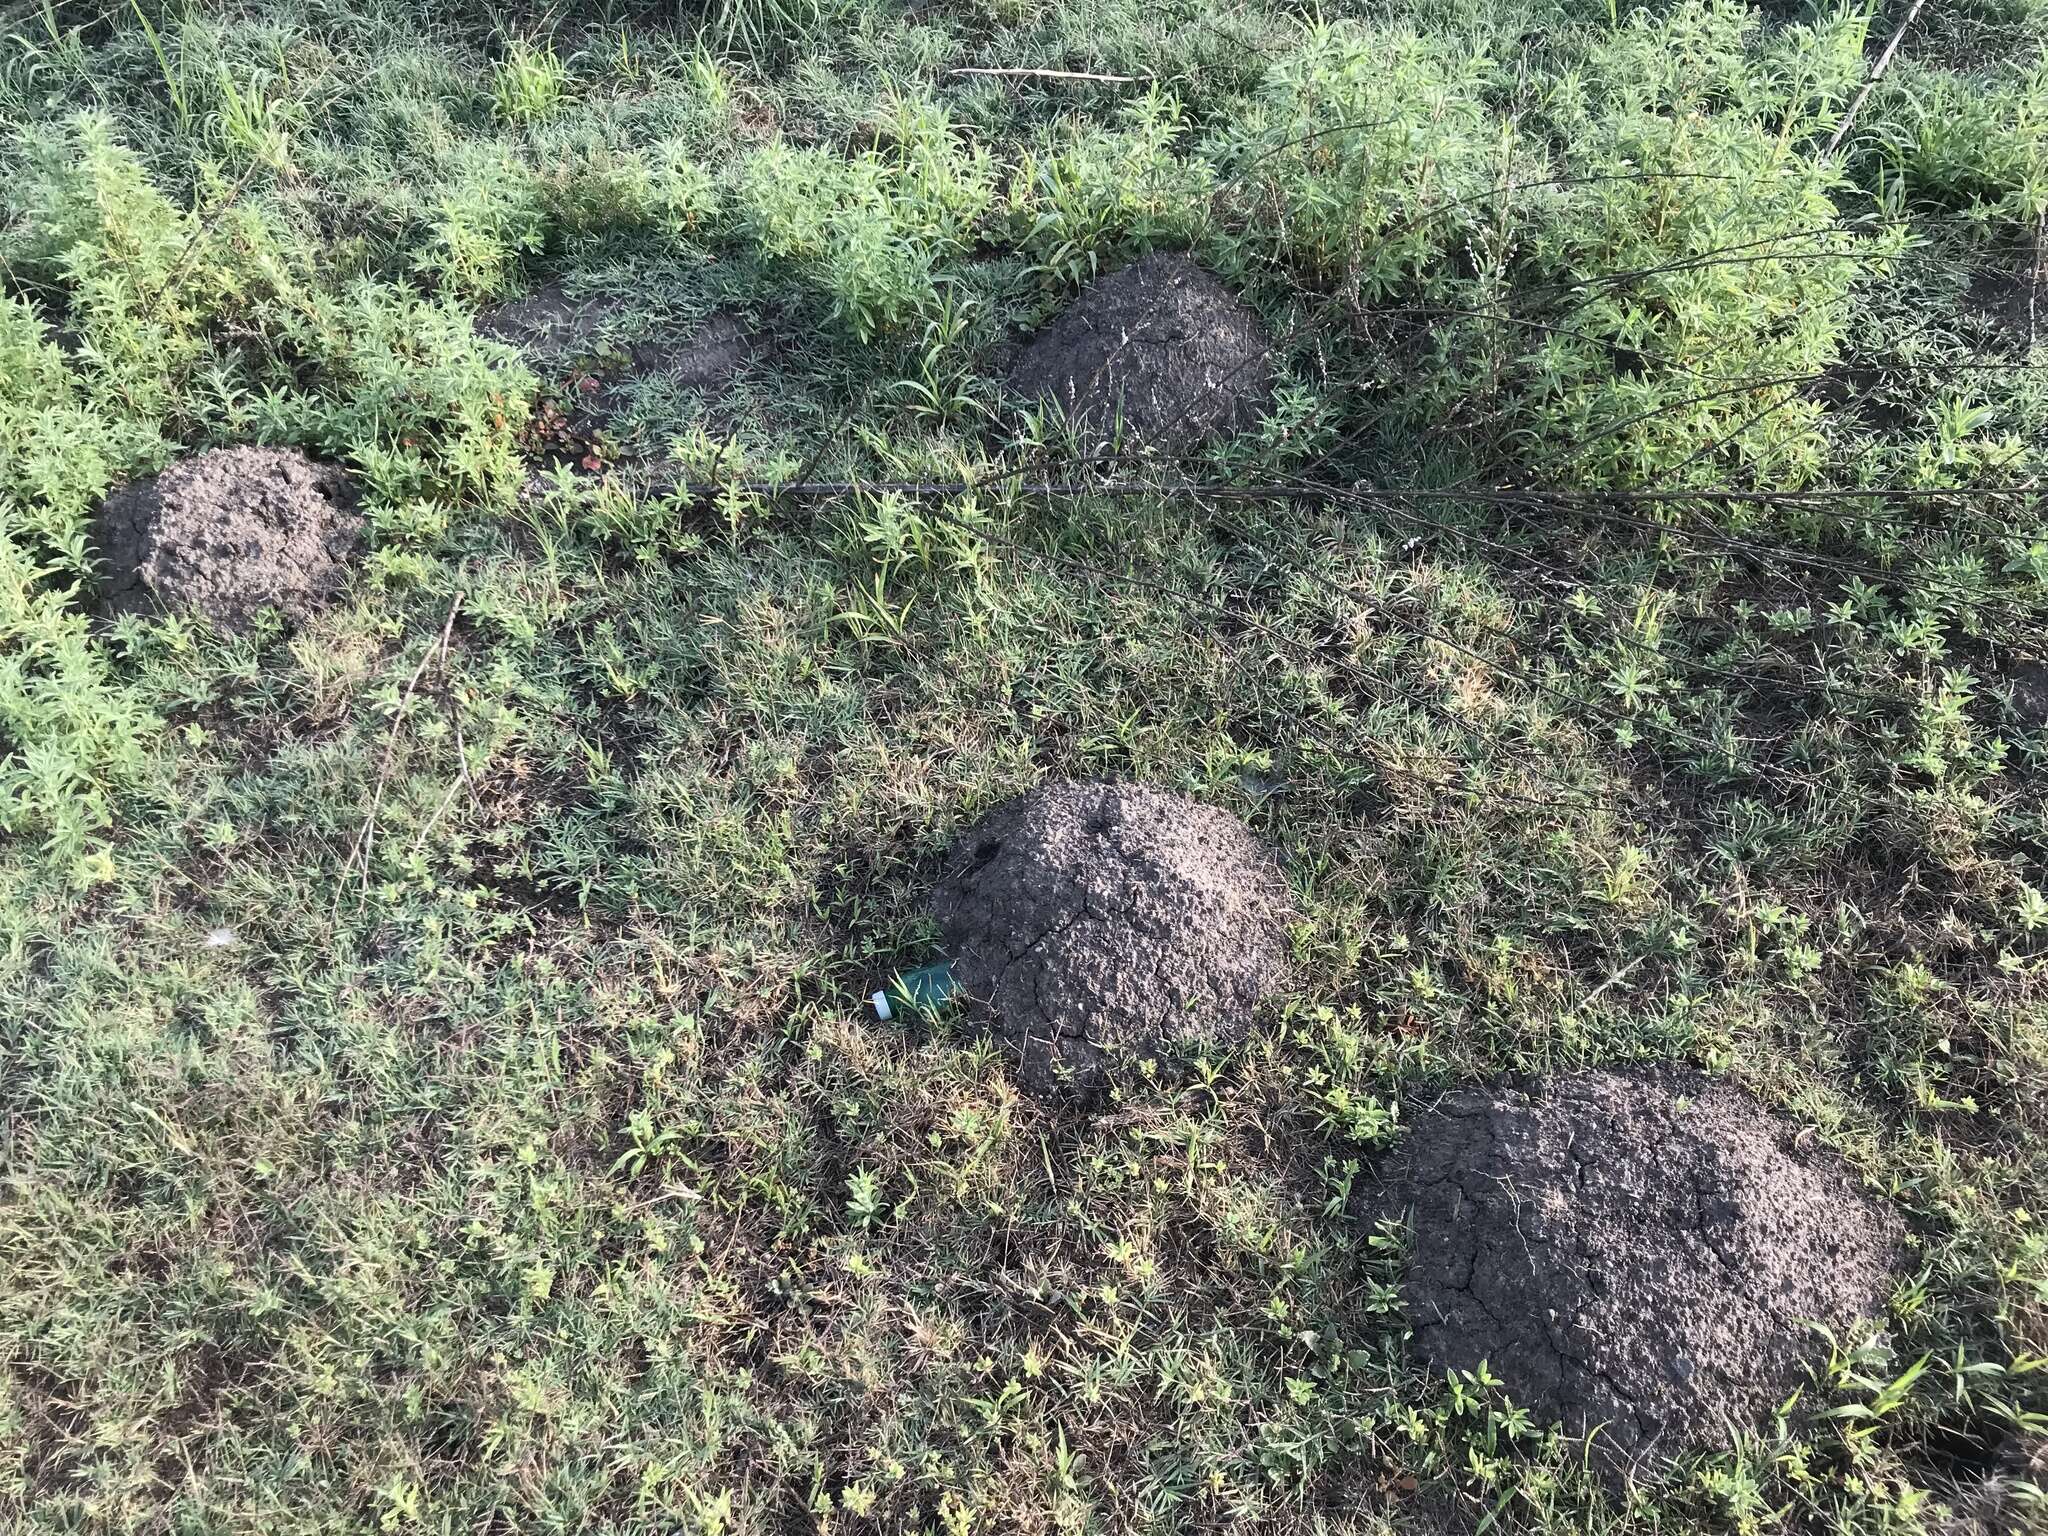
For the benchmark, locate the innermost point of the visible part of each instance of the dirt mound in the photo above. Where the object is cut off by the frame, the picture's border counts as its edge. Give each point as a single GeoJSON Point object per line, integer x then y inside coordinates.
{"type": "Point", "coordinates": [1083, 919]}
{"type": "Point", "coordinates": [1160, 348]}
{"type": "Point", "coordinates": [228, 533]}
{"type": "Point", "coordinates": [1633, 1253]}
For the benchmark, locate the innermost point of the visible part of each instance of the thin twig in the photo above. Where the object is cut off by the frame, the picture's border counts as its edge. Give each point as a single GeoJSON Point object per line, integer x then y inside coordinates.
{"type": "Point", "coordinates": [456, 785]}
{"type": "Point", "coordinates": [1884, 62]}
{"type": "Point", "coordinates": [419, 843]}
{"type": "Point", "coordinates": [1612, 981]}
{"type": "Point", "coordinates": [366, 835]}
{"type": "Point", "coordinates": [708, 491]}
{"type": "Point", "coordinates": [1057, 74]}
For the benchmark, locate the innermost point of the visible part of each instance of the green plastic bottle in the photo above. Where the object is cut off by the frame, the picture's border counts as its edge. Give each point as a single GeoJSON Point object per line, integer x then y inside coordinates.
{"type": "Point", "coordinates": [924, 990]}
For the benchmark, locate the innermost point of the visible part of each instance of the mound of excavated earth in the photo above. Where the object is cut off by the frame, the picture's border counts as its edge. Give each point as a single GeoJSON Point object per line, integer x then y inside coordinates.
{"type": "Point", "coordinates": [228, 533]}
{"type": "Point", "coordinates": [1156, 356]}
{"type": "Point", "coordinates": [1633, 1254]}
{"type": "Point", "coordinates": [1085, 920]}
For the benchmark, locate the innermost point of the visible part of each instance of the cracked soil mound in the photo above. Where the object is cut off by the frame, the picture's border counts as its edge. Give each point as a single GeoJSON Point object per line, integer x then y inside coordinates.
{"type": "Point", "coordinates": [1637, 1253]}
{"type": "Point", "coordinates": [1159, 346]}
{"type": "Point", "coordinates": [228, 533]}
{"type": "Point", "coordinates": [1088, 919]}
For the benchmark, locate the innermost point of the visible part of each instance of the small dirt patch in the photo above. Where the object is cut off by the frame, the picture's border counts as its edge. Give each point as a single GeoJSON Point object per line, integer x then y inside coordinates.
{"type": "Point", "coordinates": [1632, 1253]}
{"type": "Point", "coordinates": [590, 353]}
{"type": "Point", "coordinates": [1159, 355]}
{"type": "Point", "coordinates": [2016, 307]}
{"type": "Point", "coordinates": [1084, 920]}
{"type": "Point", "coordinates": [228, 533]}
{"type": "Point", "coordinates": [549, 326]}
{"type": "Point", "coordinates": [2008, 295]}
{"type": "Point", "coordinates": [2028, 683]}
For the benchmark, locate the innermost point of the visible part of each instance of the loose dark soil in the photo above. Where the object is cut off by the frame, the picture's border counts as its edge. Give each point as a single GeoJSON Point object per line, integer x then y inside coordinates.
{"type": "Point", "coordinates": [1158, 356]}
{"type": "Point", "coordinates": [1090, 920]}
{"type": "Point", "coordinates": [2028, 681]}
{"type": "Point", "coordinates": [2008, 293]}
{"type": "Point", "coordinates": [1632, 1254]}
{"type": "Point", "coordinates": [2017, 307]}
{"type": "Point", "coordinates": [228, 533]}
{"type": "Point", "coordinates": [550, 327]}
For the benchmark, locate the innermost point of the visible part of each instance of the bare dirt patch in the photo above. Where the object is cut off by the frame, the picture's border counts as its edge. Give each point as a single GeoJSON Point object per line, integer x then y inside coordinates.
{"type": "Point", "coordinates": [1637, 1254]}
{"type": "Point", "coordinates": [1088, 920]}
{"type": "Point", "coordinates": [228, 533]}
{"type": "Point", "coordinates": [591, 352]}
{"type": "Point", "coordinates": [2028, 685]}
{"type": "Point", "coordinates": [2016, 307]}
{"type": "Point", "coordinates": [1159, 355]}
{"type": "Point", "coordinates": [2008, 295]}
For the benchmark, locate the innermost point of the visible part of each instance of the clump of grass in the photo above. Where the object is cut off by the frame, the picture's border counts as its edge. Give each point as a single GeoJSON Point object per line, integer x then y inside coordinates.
{"type": "Point", "coordinates": [528, 85]}
{"type": "Point", "coordinates": [1097, 193]}
{"type": "Point", "coordinates": [873, 231]}
{"type": "Point", "coordinates": [70, 734]}
{"type": "Point", "coordinates": [1366, 154]}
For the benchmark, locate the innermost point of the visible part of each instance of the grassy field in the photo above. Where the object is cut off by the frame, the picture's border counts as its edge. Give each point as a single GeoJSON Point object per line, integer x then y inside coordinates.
{"type": "Point", "coordinates": [435, 1091]}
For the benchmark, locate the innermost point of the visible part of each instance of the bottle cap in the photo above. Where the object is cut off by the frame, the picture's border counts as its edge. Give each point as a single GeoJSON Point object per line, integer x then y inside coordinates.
{"type": "Point", "coordinates": [882, 1009]}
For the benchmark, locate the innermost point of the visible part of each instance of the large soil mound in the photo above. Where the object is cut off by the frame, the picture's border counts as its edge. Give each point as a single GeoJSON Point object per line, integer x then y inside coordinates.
{"type": "Point", "coordinates": [1087, 918]}
{"type": "Point", "coordinates": [228, 533]}
{"type": "Point", "coordinates": [1159, 350]}
{"type": "Point", "coordinates": [1633, 1253]}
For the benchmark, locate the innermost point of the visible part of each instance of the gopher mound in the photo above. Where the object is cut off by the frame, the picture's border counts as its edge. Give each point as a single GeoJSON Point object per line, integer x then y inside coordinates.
{"type": "Point", "coordinates": [228, 533]}
{"type": "Point", "coordinates": [1161, 350]}
{"type": "Point", "coordinates": [1636, 1254]}
{"type": "Point", "coordinates": [1089, 919]}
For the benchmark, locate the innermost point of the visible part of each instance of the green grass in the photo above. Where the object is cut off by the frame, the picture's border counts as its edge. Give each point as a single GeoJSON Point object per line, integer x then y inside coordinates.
{"type": "Point", "coordinates": [434, 1088]}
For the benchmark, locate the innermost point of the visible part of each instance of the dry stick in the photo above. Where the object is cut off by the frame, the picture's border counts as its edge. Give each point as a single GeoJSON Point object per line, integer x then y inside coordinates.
{"type": "Point", "coordinates": [704, 491]}
{"type": "Point", "coordinates": [455, 787]}
{"type": "Point", "coordinates": [1057, 74]}
{"type": "Point", "coordinates": [1884, 62]}
{"type": "Point", "coordinates": [462, 780]}
{"type": "Point", "coordinates": [366, 836]}
{"type": "Point", "coordinates": [1609, 984]}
